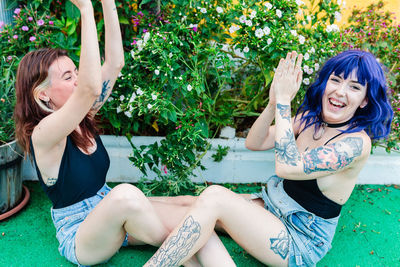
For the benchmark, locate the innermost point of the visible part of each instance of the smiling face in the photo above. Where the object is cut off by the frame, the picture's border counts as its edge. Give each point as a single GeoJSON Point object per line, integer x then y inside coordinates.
{"type": "Point", "coordinates": [63, 76]}
{"type": "Point", "coordinates": [342, 98]}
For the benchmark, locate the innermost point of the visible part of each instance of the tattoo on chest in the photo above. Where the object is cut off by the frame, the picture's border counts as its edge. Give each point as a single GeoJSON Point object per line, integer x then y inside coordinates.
{"type": "Point", "coordinates": [280, 244]}
{"type": "Point", "coordinates": [51, 181]}
{"type": "Point", "coordinates": [286, 149]}
{"type": "Point", "coordinates": [333, 157]}
{"type": "Point", "coordinates": [177, 247]}
{"type": "Point", "coordinates": [284, 111]}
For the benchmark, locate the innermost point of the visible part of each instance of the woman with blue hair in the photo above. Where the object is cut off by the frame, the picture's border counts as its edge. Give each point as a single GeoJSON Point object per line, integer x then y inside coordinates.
{"type": "Point", "coordinates": [318, 156]}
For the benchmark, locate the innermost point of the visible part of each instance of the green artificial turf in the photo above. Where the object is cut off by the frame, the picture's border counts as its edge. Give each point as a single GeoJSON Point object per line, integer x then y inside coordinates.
{"type": "Point", "coordinates": [368, 234]}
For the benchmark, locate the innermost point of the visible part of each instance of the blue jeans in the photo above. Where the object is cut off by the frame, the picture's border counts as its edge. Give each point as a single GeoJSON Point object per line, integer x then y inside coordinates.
{"type": "Point", "coordinates": [310, 235]}
{"type": "Point", "coordinates": [67, 221]}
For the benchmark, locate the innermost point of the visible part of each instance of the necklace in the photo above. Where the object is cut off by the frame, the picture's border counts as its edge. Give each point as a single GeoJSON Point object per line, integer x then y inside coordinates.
{"type": "Point", "coordinates": [321, 128]}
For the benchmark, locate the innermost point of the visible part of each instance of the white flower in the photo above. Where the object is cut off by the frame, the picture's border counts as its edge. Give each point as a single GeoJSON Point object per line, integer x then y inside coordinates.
{"type": "Point", "coordinates": [110, 99]}
{"type": "Point", "coordinates": [120, 74]}
{"type": "Point", "coordinates": [310, 71]}
{"type": "Point", "coordinates": [132, 53]}
{"type": "Point", "coordinates": [242, 19]}
{"type": "Point", "coordinates": [133, 96]}
{"type": "Point", "coordinates": [189, 87]}
{"type": "Point", "coordinates": [301, 39]}
{"type": "Point", "coordinates": [293, 32]}
{"type": "Point", "coordinates": [233, 28]}
{"type": "Point", "coordinates": [339, 2]}
{"type": "Point", "coordinates": [156, 72]}
{"type": "Point", "coordinates": [269, 41]}
{"type": "Point", "coordinates": [180, 78]}
{"type": "Point", "coordinates": [253, 14]}
{"type": "Point", "coordinates": [121, 98]}
{"type": "Point", "coordinates": [149, 106]}
{"type": "Point", "coordinates": [305, 68]}
{"type": "Point", "coordinates": [154, 97]}
{"type": "Point", "coordinates": [306, 81]}
{"type": "Point", "coordinates": [249, 23]}
{"type": "Point", "coordinates": [246, 49]}
{"type": "Point", "coordinates": [170, 55]}
{"type": "Point", "coordinates": [266, 30]}
{"type": "Point", "coordinates": [306, 56]}
{"type": "Point", "coordinates": [119, 109]}
{"type": "Point", "coordinates": [193, 25]}
{"type": "Point", "coordinates": [331, 28]}
{"type": "Point", "coordinates": [128, 114]}
{"type": "Point", "coordinates": [140, 45]}
{"type": "Point", "coordinates": [139, 92]}
{"type": "Point", "coordinates": [309, 18]}
{"type": "Point", "coordinates": [268, 5]}
{"type": "Point", "coordinates": [146, 37]}
{"type": "Point", "coordinates": [299, 2]}
{"type": "Point", "coordinates": [203, 10]}
{"type": "Point", "coordinates": [279, 13]}
{"type": "Point", "coordinates": [338, 16]}
{"type": "Point", "coordinates": [344, 4]}
{"type": "Point", "coordinates": [259, 33]}
{"type": "Point", "coordinates": [311, 50]}
{"type": "Point", "coordinates": [219, 10]}
{"type": "Point", "coordinates": [316, 66]}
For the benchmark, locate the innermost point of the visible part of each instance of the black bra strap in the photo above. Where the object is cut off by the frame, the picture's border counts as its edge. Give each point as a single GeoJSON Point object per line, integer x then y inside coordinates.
{"type": "Point", "coordinates": [333, 138]}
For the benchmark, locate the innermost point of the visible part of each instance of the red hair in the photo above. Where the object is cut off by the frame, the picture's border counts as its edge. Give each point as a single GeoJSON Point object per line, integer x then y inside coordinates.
{"type": "Point", "coordinates": [32, 76]}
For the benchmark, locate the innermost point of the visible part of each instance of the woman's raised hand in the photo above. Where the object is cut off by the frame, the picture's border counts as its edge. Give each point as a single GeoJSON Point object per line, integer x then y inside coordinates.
{"type": "Point", "coordinates": [288, 77]}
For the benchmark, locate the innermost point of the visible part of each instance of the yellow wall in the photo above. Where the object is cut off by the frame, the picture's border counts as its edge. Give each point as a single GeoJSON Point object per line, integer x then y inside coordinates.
{"type": "Point", "coordinates": [390, 5]}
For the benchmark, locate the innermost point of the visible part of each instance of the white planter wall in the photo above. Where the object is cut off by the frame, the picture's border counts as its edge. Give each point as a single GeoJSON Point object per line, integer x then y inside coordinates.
{"type": "Point", "coordinates": [239, 166]}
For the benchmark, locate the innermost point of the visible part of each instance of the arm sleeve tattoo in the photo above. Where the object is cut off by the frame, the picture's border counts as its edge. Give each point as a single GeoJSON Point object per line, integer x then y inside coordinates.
{"type": "Point", "coordinates": [284, 111]}
{"type": "Point", "coordinates": [178, 246]}
{"type": "Point", "coordinates": [104, 92]}
{"type": "Point", "coordinates": [286, 149]}
{"type": "Point", "coordinates": [333, 157]}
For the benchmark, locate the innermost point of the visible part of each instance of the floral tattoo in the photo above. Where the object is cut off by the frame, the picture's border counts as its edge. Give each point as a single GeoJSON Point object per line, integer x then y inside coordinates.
{"type": "Point", "coordinates": [286, 150]}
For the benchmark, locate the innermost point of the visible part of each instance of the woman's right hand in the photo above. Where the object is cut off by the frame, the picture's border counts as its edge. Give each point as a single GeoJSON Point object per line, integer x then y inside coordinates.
{"type": "Point", "coordinates": [82, 3]}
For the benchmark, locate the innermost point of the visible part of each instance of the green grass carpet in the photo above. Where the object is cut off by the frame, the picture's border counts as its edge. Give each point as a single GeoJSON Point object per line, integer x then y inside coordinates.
{"type": "Point", "coordinates": [368, 234]}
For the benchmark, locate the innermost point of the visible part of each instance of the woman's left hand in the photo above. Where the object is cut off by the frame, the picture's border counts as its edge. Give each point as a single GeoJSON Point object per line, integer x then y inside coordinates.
{"type": "Point", "coordinates": [288, 77]}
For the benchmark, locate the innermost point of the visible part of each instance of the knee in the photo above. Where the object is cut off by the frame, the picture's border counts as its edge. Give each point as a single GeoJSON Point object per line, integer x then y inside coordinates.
{"type": "Point", "coordinates": [128, 199]}
{"type": "Point", "coordinates": [212, 196]}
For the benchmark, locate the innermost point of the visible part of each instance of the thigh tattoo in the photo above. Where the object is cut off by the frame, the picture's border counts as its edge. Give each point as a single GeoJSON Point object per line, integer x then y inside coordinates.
{"type": "Point", "coordinates": [280, 244]}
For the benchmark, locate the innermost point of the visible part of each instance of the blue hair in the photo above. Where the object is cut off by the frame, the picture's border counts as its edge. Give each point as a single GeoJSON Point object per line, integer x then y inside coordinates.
{"type": "Point", "coordinates": [376, 117]}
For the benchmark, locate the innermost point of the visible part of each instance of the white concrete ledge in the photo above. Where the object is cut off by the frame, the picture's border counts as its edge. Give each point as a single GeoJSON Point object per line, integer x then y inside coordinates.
{"type": "Point", "coordinates": [239, 166]}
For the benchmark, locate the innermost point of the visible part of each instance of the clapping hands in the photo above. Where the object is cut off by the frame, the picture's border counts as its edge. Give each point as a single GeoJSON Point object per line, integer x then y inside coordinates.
{"type": "Point", "coordinates": [287, 79]}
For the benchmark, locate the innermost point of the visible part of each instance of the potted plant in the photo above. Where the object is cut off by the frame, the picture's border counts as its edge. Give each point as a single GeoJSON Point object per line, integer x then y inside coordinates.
{"type": "Point", "coordinates": [12, 195]}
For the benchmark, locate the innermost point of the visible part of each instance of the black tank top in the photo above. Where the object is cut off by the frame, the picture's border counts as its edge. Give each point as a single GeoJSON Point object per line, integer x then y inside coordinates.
{"type": "Point", "coordinates": [310, 197]}
{"type": "Point", "coordinates": [80, 176]}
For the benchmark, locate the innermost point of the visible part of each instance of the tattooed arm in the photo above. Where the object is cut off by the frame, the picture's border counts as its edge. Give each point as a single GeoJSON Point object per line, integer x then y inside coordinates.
{"type": "Point", "coordinates": [114, 54]}
{"type": "Point", "coordinates": [317, 162]}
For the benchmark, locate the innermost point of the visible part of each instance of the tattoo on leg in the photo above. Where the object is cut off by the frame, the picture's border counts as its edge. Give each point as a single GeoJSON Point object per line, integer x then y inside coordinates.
{"type": "Point", "coordinates": [280, 245]}
{"type": "Point", "coordinates": [104, 92]}
{"type": "Point", "coordinates": [177, 247]}
{"type": "Point", "coordinates": [286, 150]}
{"type": "Point", "coordinates": [284, 111]}
{"type": "Point", "coordinates": [333, 157]}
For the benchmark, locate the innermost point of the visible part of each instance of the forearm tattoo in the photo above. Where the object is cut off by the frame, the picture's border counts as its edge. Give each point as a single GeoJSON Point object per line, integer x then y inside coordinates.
{"type": "Point", "coordinates": [177, 247]}
{"type": "Point", "coordinates": [286, 150]}
{"type": "Point", "coordinates": [284, 111]}
{"type": "Point", "coordinates": [280, 244]}
{"type": "Point", "coordinates": [104, 92]}
{"type": "Point", "coordinates": [333, 157]}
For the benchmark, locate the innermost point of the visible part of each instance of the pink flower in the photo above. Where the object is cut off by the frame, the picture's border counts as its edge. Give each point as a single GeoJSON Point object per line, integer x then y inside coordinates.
{"type": "Point", "coordinates": [25, 28]}
{"type": "Point", "coordinates": [9, 57]}
{"type": "Point", "coordinates": [2, 24]}
{"type": "Point", "coordinates": [32, 38]}
{"type": "Point", "coordinates": [15, 36]}
{"type": "Point", "coordinates": [30, 18]}
{"type": "Point", "coordinates": [194, 29]}
{"type": "Point", "coordinates": [145, 30]}
{"type": "Point", "coordinates": [164, 168]}
{"type": "Point", "coordinates": [17, 11]}
{"type": "Point", "coordinates": [51, 22]}
{"type": "Point", "coordinates": [40, 22]}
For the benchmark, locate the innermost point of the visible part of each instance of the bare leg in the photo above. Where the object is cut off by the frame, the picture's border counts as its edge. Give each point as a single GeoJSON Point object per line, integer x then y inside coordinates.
{"type": "Point", "coordinates": [251, 226]}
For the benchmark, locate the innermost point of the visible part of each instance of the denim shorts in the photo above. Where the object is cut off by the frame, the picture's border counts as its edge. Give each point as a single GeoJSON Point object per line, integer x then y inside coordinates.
{"type": "Point", "coordinates": [67, 220]}
{"type": "Point", "coordinates": [310, 235]}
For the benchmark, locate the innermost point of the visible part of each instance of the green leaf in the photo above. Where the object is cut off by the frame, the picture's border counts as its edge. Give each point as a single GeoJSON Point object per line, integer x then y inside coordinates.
{"type": "Point", "coordinates": [72, 11]}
